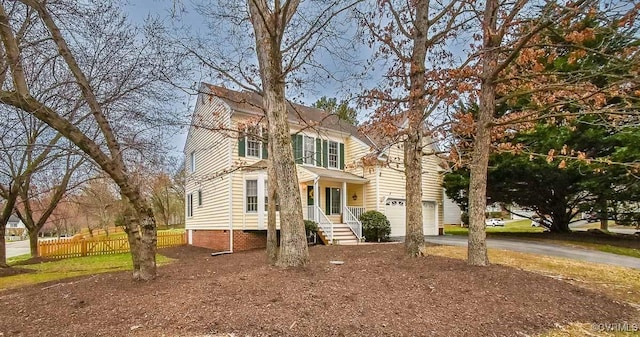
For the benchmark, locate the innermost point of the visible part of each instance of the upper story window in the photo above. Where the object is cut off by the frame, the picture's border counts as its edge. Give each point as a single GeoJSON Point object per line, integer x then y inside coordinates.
{"type": "Point", "coordinates": [309, 150]}
{"type": "Point", "coordinates": [317, 151]}
{"type": "Point", "coordinates": [251, 143]}
{"type": "Point", "coordinates": [333, 154]}
{"type": "Point", "coordinates": [192, 161]}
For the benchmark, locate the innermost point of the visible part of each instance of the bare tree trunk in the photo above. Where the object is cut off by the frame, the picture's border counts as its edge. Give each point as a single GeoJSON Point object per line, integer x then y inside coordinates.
{"type": "Point", "coordinates": [272, 235]}
{"type": "Point", "coordinates": [477, 251]}
{"type": "Point", "coordinates": [413, 172]}
{"type": "Point", "coordinates": [33, 243]}
{"type": "Point", "coordinates": [269, 26]}
{"type": "Point", "coordinates": [3, 246]}
{"type": "Point", "coordinates": [414, 238]}
{"type": "Point", "coordinates": [10, 197]}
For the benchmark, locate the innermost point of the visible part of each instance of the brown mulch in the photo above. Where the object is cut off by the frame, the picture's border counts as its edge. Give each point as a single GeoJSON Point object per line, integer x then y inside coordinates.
{"type": "Point", "coordinates": [376, 292]}
{"type": "Point", "coordinates": [13, 271]}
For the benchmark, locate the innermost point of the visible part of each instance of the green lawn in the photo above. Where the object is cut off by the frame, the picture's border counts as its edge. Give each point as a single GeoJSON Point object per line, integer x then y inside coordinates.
{"type": "Point", "coordinates": [517, 226]}
{"type": "Point", "coordinates": [66, 268]}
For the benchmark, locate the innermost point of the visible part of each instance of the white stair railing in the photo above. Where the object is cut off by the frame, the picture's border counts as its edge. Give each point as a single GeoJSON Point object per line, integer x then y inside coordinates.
{"type": "Point", "coordinates": [324, 223]}
{"type": "Point", "coordinates": [353, 221]}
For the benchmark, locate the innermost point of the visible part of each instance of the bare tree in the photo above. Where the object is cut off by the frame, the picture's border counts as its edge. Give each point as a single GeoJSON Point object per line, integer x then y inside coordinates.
{"type": "Point", "coordinates": [510, 44]}
{"type": "Point", "coordinates": [412, 35]}
{"type": "Point", "coordinates": [27, 146]}
{"type": "Point", "coordinates": [101, 66]}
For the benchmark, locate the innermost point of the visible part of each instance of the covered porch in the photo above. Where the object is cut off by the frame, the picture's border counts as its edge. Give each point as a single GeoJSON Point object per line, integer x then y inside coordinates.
{"type": "Point", "coordinates": [332, 197]}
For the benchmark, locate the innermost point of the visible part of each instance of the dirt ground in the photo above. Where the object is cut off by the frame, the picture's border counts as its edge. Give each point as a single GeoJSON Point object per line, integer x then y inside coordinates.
{"type": "Point", "coordinates": [376, 292]}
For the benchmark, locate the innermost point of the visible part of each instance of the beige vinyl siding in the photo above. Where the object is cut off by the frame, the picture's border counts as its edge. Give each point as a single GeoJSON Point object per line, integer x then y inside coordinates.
{"type": "Point", "coordinates": [241, 219]}
{"type": "Point", "coordinates": [370, 193]}
{"type": "Point", "coordinates": [304, 177]}
{"type": "Point", "coordinates": [392, 179]}
{"type": "Point", "coordinates": [212, 159]}
{"type": "Point", "coordinates": [354, 151]}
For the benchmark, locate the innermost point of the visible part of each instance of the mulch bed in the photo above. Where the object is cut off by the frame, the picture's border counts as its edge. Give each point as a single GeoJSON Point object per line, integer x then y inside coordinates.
{"type": "Point", "coordinates": [13, 271]}
{"type": "Point", "coordinates": [376, 292]}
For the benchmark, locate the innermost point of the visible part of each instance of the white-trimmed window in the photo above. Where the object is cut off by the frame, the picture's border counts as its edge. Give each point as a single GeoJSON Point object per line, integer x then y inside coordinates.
{"type": "Point", "coordinates": [190, 205]}
{"type": "Point", "coordinates": [333, 154]}
{"type": "Point", "coordinates": [251, 193]}
{"type": "Point", "coordinates": [199, 198]}
{"type": "Point", "coordinates": [309, 150]}
{"type": "Point", "coordinates": [254, 143]}
{"type": "Point", "coordinates": [192, 161]}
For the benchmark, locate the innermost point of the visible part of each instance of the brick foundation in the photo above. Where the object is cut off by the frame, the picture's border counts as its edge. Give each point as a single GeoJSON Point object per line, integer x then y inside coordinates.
{"type": "Point", "coordinates": [218, 240]}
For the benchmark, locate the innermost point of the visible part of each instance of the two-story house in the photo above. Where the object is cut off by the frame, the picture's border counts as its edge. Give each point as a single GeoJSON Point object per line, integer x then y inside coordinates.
{"type": "Point", "coordinates": [226, 187]}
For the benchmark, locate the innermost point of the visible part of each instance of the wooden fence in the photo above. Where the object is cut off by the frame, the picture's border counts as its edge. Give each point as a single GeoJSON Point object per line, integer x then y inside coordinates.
{"type": "Point", "coordinates": [65, 248]}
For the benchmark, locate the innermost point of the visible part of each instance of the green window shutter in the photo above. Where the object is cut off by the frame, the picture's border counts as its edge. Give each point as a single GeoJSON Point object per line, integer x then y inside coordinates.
{"type": "Point", "coordinates": [241, 146]}
{"type": "Point", "coordinates": [325, 154]}
{"type": "Point", "coordinates": [296, 142]}
{"type": "Point", "coordinates": [327, 200]}
{"type": "Point", "coordinates": [318, 152]}
{"type": "Point", "coordinates": [342, 156]}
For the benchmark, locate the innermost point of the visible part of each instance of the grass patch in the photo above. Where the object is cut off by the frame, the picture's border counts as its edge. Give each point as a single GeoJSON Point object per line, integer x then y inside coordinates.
{"type": "Point", "coordinates": [16, 259]}
{"type": "Point", "coordinates": [66, 268]}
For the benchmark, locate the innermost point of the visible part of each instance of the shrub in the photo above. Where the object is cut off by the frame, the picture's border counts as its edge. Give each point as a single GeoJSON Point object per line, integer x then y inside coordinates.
{"type": "Point", "coordinates": [375, 226]}
{"type": "Point", "coordinates": [310, 226]}
{"type": "Point", "coordinates": [464, 218]}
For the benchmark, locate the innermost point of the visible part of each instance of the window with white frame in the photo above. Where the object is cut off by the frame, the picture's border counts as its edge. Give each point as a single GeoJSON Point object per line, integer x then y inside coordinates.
{"type": "Point", "coordinates": [309, 150]}
{"type": "Point", "coordinates": [192, 161]}
{"type": "Point", "coordinates": [199, 198]}
{"type": "Point", "coordinates": [251, 192]}
{"type": "Point", "coordinates": [254, 144]}
{"type": "Point", "coordinates": [190, 205]}
{"type": "Point", "coordinates": [333, 154]}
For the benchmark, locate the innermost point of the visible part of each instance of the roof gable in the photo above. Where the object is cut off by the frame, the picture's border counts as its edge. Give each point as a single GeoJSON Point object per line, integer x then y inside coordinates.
{"type": "Point", "coordinates": [251, 102]}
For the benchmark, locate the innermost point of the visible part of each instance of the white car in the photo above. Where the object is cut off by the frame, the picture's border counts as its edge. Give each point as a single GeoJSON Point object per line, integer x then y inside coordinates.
{"type": "Point", "coordinates": [494, 222]}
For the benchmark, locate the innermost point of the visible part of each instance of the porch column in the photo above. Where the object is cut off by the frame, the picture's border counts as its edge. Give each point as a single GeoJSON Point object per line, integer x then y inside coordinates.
{"type": "Point", "coordinates": [344, 198]}
{"type": "Point", "coordinates": [316, 200]}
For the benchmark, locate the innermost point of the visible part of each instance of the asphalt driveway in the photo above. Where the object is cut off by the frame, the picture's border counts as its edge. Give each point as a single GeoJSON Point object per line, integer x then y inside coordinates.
{"type": "Point", "coordinates": [548, 249]}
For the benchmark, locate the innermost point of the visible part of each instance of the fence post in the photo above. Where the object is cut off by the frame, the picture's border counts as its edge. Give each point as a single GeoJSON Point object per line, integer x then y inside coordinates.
{"type": "Point", "coordinates": [83, 247]}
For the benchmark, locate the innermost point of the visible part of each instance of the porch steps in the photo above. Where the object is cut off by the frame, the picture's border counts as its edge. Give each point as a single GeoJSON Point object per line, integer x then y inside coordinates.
{"type": "Point", "coordinates": [342, 235]}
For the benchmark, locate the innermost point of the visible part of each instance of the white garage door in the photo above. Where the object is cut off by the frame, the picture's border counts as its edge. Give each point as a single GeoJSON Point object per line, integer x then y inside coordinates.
{"type": "Point", "coordinates": [396, 211]}
{"type": "Point", "coordinates": [429, 218]}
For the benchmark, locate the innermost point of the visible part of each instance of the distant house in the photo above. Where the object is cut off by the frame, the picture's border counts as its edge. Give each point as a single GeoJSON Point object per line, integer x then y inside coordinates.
{"type": "Point", "coordinates": [226, 179]}
{"type": "Point", "coordinates": [15, 227]}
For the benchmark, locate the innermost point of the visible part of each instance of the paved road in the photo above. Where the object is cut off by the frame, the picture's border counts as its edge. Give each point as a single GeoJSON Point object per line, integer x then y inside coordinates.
{"type": "Point", "coordinates": [16, 248]}
{"type": "Point", "coordinates": [544, 249]}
